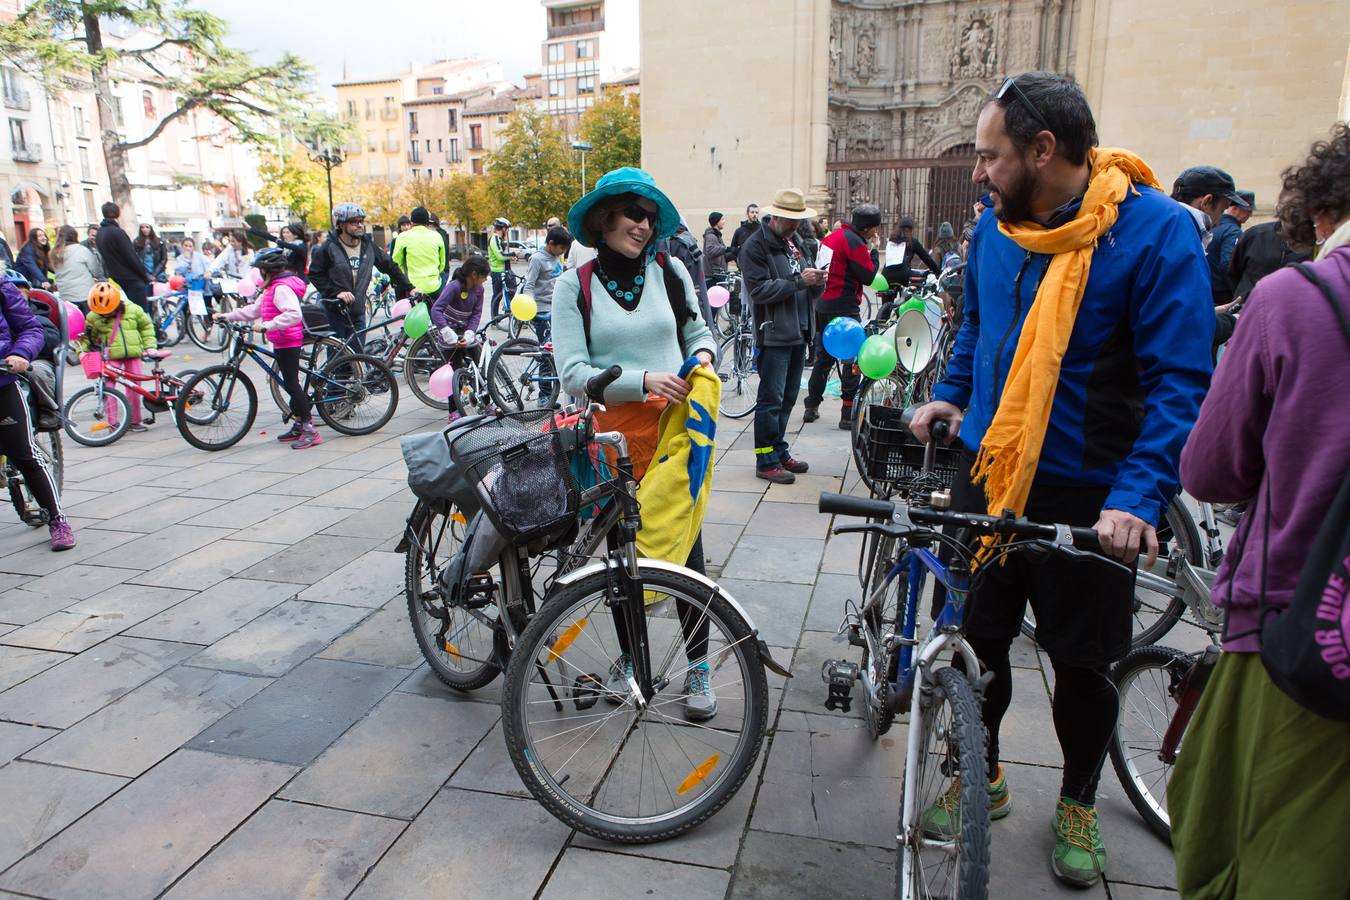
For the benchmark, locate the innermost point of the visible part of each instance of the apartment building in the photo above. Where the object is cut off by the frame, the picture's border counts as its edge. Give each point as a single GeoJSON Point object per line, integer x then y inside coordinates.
{"type": "Point", "coordinates": [29, 177]}
{"type": "Point", "coordinates": [382, 147]}
{"type": "Point", "coordinates": [486, 120]}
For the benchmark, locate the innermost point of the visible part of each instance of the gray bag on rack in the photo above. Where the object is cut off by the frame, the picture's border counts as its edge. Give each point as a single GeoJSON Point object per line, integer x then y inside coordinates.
{"type": "Point", "coordinates": [431, 474]}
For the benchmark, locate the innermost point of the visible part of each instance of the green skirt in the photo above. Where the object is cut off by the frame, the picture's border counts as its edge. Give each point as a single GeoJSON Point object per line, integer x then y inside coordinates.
{"type": "Point", "coordinates": [1260, 795]}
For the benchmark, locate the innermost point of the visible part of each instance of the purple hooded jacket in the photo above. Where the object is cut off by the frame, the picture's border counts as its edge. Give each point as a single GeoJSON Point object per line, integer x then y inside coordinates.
{"type": "Point", "coordinates": [20, 331]}
{"type": "Point", "coordinates": [1275, 413]}
{"type": "Point", "coordinates": [459, 312]}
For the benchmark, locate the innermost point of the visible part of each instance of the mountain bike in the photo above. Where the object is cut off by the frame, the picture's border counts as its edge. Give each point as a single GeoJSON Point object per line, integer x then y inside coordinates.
{"type": "Point", "coordinates": [946, 738]}
{"type": "Point", "coordinates": [98, 415]}
{"type": "Point", "coordinates": [523, 374]}
{"type": "Point", "coordinates": [47, 445]}
{"type": "Point", "coordinates": [737, 367]}
{"type": "Point", "coordinates": [354, 394]}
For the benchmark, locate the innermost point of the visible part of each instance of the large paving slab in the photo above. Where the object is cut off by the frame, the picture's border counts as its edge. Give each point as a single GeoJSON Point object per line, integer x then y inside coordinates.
{"type": "Point", "coordinates": [369, 580]}
{"type": "Point", "coordinates": [215, 612]}
{"type": "Point", "coordinates": [208, 565]}
{"type": "Point", "coordinates": [296, 717]}
{"type": "Point", "coordinates": [280, 638]}
{"type": "Point", "coordinates": [42, 800]}
{"type": "Point", "coordinates": [310, 560]}
{"type": "Point", "coordinates": [93, 621]}
{"type": "Point", "coordinates": [152, 831]}
{"type": "Point", "coordinates": [384, 639]}
{"type": "Point", "coordinates": [589, 873]}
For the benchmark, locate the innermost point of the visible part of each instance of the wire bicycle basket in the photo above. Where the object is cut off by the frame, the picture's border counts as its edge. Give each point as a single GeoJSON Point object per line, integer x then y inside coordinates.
{"type": "Point", "coordinates": [895, 457]}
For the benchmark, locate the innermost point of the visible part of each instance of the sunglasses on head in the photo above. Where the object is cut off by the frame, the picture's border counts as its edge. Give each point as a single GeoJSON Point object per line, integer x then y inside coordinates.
{"type": "Point", "coordinates": [1011, 85]}
{"type": "Point", "coordinates": [635, 212]}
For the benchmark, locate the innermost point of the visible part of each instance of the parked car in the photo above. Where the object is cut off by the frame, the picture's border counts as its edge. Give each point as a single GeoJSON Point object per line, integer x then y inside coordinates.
{"type": "Point", "coordinates": [520, 249]}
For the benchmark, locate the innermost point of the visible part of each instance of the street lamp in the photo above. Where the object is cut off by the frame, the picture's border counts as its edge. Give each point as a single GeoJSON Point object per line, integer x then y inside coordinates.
{"type": "Point", "coordinates": [584, 147]}
{"type": "Point", "coordinates": [330, 158]}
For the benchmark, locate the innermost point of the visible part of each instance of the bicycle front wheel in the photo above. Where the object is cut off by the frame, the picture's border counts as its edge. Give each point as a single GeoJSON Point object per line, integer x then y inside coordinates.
{"type": "Point", "coordinates": [423, 358]}
{"type": "Point", "coordinates": [206, 332]}
{"type": "Point", "coordinates": [736, 371]}
{"type": "Point", "coordinates": [521, 375]}
{"type": "Point", "coordinates": [946, 850]}
{"type": "Point", "coordinates": [886, 392]}
{"type": "Point", "coordinates": [322, 352]}
{"type": "Point", "coordinates": [605, 763]}
{"type": "Point", "coordinates": [172, 323]}
{"type": "Point", "coordinates": [216, 408]}
{"type": "Point", "coordinates": [1148, 680]}
{"type": "Point", "coordinates": [356, 394]}
{"type": "Point", "coordinates": [96, 416]}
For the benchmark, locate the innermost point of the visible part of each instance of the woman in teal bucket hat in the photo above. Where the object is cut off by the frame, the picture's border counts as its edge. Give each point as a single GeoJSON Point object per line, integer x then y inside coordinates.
{"type": "Point", "coordinates": [641, 314]}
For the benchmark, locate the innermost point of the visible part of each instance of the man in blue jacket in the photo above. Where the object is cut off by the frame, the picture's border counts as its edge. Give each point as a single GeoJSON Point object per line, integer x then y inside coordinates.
{"type": "Point", "coordinates": [1107, 433]}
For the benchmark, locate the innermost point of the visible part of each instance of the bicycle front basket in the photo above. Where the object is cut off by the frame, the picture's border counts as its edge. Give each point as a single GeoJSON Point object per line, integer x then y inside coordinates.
{"type": "Point", "coordinates": [521, 473]}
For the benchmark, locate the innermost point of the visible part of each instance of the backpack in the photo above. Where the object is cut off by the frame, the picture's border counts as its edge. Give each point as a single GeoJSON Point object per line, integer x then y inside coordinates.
{"type": "Point", "coordinates": [679, 304]}
{"type": "Point", "coordinates": [1306, 649]}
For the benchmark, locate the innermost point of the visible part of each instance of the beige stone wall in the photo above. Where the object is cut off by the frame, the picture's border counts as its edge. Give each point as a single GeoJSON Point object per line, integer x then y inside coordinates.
{"type": "Point", "coordinates": [1245, 86]}
{"type": "Point", "coordinates": [733, 101]}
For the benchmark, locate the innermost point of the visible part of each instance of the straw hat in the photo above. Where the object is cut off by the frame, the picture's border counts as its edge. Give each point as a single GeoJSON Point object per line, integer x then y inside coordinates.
{"type": "Point", "coordinates": [788, 204]}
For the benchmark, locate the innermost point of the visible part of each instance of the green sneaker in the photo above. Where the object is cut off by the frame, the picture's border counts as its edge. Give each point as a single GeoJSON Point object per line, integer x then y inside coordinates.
{"type": "Point", "coordinates": [943, 819]}
{"type": "Point", "coordinates": [1080, 855]}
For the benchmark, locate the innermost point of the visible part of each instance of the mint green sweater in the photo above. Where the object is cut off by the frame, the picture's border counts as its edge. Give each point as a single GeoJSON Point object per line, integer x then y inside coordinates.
{"type": "Point", "coordinates": [641, 341]}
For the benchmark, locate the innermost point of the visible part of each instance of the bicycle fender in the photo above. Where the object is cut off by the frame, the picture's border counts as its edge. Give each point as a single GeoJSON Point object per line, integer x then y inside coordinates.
{"type": "Point", "coordinates": [707, 582]}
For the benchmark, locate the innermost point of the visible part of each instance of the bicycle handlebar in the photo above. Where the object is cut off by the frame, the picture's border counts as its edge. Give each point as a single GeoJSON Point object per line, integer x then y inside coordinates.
{"type": "Point", "coordinates": [595, 386]}
{"type": "Point", "coordinates": [844, 505]}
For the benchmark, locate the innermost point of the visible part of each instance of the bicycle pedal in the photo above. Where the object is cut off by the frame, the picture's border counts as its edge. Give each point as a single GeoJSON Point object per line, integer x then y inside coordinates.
{"type": "Point", "coordinates": [839, 675]}
{"type": "Point", "coordinates": [855, 638]}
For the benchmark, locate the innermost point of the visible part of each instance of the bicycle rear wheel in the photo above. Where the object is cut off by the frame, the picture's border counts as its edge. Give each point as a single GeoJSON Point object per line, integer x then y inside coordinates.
{"type": "Point", "coordinates": [323, 351]}
{"type": "Point", "coordinates": [95, 417]}
{"type": "Point", "coordinates": [224, 413]}
{"type": "Point", "coordinates": [457, 640]}
{"type": "Point", "coordinates": [950, 770]}
{"type": "Point", "coordinates": [1148, 680]}
{"type": "Point", "coordinates": [740, 381]}
{"type": "Point", "coordinates": [596, 759]}
{"type": "Point", "coordinates": [172, 324]}
{"type": "Point", "coordinates": [521, 375]}
{"type": "Point", "coordinates": [423, 358]}
{"type": "Point", "coordinates": [356, 394]}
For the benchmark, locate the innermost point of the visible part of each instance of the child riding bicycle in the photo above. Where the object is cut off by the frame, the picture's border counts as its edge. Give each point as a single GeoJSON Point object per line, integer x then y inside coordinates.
{"type": "Point", "coordinates": [277, 315]}
{"type": "Point", "coordinates": [127, 332]}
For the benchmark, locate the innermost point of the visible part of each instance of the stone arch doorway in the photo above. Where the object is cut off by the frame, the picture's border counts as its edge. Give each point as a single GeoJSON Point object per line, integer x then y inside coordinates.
{"type": "Point", "coordinates": [26, 201]}
{"type": "Point", "coordinates": [951, 193]}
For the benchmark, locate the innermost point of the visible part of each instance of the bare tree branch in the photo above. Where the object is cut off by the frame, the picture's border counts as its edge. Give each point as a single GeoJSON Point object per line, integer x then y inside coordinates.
{"type": "Point", "coordinates": [178, 113]}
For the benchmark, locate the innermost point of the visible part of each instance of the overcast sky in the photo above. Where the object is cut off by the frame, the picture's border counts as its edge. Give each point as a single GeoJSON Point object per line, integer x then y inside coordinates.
{"type": "Point", "coordinates": [371, 38]}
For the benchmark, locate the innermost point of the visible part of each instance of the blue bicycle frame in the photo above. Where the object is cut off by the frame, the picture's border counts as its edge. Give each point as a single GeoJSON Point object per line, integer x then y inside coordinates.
{"type": "Point", "coordinates": [916, 563]}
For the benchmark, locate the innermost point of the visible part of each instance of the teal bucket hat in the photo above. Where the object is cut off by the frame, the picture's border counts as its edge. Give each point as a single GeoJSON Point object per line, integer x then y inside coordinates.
{"type": "Point", "coordinates": [624, 181]}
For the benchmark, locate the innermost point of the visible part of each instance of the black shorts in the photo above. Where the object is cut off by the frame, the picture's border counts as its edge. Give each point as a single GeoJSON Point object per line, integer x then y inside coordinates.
{"type": "Point", "coordinates": [1084, 608]}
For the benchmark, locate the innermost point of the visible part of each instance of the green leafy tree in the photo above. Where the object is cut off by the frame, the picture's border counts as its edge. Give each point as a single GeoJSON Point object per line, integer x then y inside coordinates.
{"type": "Point", "coordinates": [468, 202]}
{"type": "Point", "coordinates": [613, 128]}
{"type": "Point", "coordinates": [295, 182]}
{"type": "Point", "coordinates": [533, 175]}
{"type": "Point", "coordinates": [179, 50]}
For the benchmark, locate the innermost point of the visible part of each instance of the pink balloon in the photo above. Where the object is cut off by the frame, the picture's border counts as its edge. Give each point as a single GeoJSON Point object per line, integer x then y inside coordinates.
{"type": "Point", "coordinates": [718, 296]}
{"type": "Point", "coordinates": [74, 320]}
{"type": "Point", "coordinates": [441, 383]}
{"type": "Point", "coordinates": [402, 308]}
{"type": "Point", "coordinates": [159, 288]}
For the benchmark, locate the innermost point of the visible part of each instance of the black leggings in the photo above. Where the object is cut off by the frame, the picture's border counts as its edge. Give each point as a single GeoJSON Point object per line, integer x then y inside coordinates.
{"type": "Point", "coordinates": [16, 440]}
{"type": "Point", "coordinates": [288, 361]}
{"type": "Point", "coordinates": [693, 622]}
{"type": "Point", "coordinates": [1085, 707]}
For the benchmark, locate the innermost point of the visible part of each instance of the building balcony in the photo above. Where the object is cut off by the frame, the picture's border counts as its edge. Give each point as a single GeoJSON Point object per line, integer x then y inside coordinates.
{"type": "Point", "coordinates": [562, 31]}
{"type": "Point", "coordinates": [26, 152]}
{"type": "Point", "coordinates": [454, 158]}
{"type": "Point", "coordinates": [17, 98]}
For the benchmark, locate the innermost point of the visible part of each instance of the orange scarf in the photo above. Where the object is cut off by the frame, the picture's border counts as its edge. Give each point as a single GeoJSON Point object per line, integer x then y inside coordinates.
{"type": "Point", "coordinates": [1011, 449]}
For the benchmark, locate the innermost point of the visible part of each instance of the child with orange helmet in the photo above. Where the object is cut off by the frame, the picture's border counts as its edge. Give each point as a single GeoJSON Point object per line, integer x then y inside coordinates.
{"type": "Point", "coordinates": [126, 330]}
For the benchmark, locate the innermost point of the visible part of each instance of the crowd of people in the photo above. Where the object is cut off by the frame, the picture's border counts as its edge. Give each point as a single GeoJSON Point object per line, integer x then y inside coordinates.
{"type": "Point", "coordinates": [1081, 389]}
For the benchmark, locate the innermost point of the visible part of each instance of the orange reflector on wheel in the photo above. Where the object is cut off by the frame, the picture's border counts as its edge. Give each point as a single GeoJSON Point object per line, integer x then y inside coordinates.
{"type": "Point", "coordinates": [565, 640]}
{"type": "Point", "coordinates": [452, 650]}
{"type": "Point", "coordinates": [100, 426]}
{"type": "Point", "coordinates": [458, 517]}
{"type": "Point", "coordinates": [697, 776]}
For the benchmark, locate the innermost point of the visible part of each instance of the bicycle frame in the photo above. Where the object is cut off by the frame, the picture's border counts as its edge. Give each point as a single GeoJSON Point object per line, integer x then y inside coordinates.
{"type": "Point", "coordinates": [244, 347]}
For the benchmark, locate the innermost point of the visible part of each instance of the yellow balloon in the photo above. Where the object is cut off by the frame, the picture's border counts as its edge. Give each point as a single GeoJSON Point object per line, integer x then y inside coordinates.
{"type": "Point", "coordinates": [523, 307]}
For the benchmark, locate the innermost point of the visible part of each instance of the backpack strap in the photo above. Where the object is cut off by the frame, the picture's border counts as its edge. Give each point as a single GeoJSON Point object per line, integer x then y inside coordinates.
{"type": "Point", "coordinates": [584, 272]}
{"type": "Point", "coordinates": [1309, 273]}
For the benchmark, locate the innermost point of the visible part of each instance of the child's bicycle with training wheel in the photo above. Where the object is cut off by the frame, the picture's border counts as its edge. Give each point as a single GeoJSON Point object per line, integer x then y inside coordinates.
{"type": "Point", "coordinates": [98, 415]}
{"type": "Point", "coordinates": [943, 830]}
{"type": "Point", "coordinates": [353, 394]}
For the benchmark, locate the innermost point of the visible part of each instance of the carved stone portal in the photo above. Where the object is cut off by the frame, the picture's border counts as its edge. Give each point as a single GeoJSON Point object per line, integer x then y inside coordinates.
{"type": "Point", "coordinates": [865, 52]}
{"type": "Point", "coordinates": [976, 52]}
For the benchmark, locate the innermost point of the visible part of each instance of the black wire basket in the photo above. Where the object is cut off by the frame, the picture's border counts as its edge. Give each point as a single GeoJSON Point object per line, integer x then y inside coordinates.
{"type": "Point", "coordinates": [894, 456]}
{"type": "Point", "coordinates": [520, 467]}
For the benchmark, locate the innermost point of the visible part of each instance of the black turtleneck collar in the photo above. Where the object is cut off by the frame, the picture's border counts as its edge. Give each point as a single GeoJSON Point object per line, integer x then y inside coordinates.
{"type": "Point", "coordinates": [621, 275]}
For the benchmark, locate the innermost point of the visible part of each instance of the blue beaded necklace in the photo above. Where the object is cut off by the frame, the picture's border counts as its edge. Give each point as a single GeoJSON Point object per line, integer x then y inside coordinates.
{"type": "Point", "coordinates": [625, 295]}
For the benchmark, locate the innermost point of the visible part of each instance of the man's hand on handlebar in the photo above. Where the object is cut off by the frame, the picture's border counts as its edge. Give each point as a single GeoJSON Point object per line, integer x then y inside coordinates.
{"type": "Point", "coordinates": [1120, 534]}
{"type": "Point", "coordinates": [347, 297]}
{"type": "Point", "coordinates": [929, 413]}
{"type": "Point", "coordinates": [17, 364]}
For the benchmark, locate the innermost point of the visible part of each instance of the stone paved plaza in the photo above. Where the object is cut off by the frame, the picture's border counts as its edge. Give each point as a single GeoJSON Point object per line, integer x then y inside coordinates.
{"type": "Point", "coordinates": [217, 694]}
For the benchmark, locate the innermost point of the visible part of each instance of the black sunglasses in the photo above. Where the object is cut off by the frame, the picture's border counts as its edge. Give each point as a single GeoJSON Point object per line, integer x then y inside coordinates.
{"type": "Point", "coordinates": [635, 212]}
{"type": "Point", "coordinates": [1011, 85]}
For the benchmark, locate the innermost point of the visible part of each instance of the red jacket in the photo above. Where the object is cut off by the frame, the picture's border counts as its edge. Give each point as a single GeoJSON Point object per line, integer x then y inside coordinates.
{"type": "Point", "coordinates": [852, 265]}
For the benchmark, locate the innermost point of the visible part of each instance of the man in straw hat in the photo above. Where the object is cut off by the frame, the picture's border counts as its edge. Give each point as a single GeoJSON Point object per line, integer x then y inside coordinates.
{"type": "Point", "coordinates": [780, 287]}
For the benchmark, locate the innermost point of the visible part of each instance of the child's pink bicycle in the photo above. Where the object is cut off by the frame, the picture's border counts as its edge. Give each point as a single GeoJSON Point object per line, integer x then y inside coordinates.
{"type": "Point", "coordinates": [98, 415]}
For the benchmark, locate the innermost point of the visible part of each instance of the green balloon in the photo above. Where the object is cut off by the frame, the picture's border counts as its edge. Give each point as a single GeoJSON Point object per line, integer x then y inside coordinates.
{"type": "Point", "coordinates": [877, 357]}
{"type": "Point", "coordinates": [416, 323]}
{"type": "Point", "coordinates": [880, 283]}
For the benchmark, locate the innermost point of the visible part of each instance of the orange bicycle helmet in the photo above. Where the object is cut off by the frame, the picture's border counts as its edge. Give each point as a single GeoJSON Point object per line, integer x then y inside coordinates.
{"type": "Point", "coordinates": [104, 297]}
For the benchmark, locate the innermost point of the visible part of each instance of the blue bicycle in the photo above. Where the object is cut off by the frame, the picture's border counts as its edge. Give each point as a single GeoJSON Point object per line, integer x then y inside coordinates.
{"type": "Point", "coordinates": [174, 318]}
{"type": "Point", "coordinates": [946, 857]}
{"type": "Point", "coordinates": [522, 373]}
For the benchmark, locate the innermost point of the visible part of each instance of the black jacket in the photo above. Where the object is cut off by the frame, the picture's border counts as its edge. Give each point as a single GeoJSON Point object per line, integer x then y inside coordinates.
{"type": "Point", "coordinates": [297, 252]}
{"type": "Point", "coordinates": [684, 247]}
{"type": "Point", "coordinates": [900, 275]}
{"type": "Point", "coordinates": [714, 252]}
{"type": "Point", "coordinates": [738, 239]}
{"type": "Point", "coordinates": [1260, 251]}
{"type": "Point", "coordinates": [120, 260]}
{"type": "Point", "coordinates": [331, 274]}
{"type": "Point", "coordinates": [780, 303]}
{"type": "Point", "coordinates": [157, 248]}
